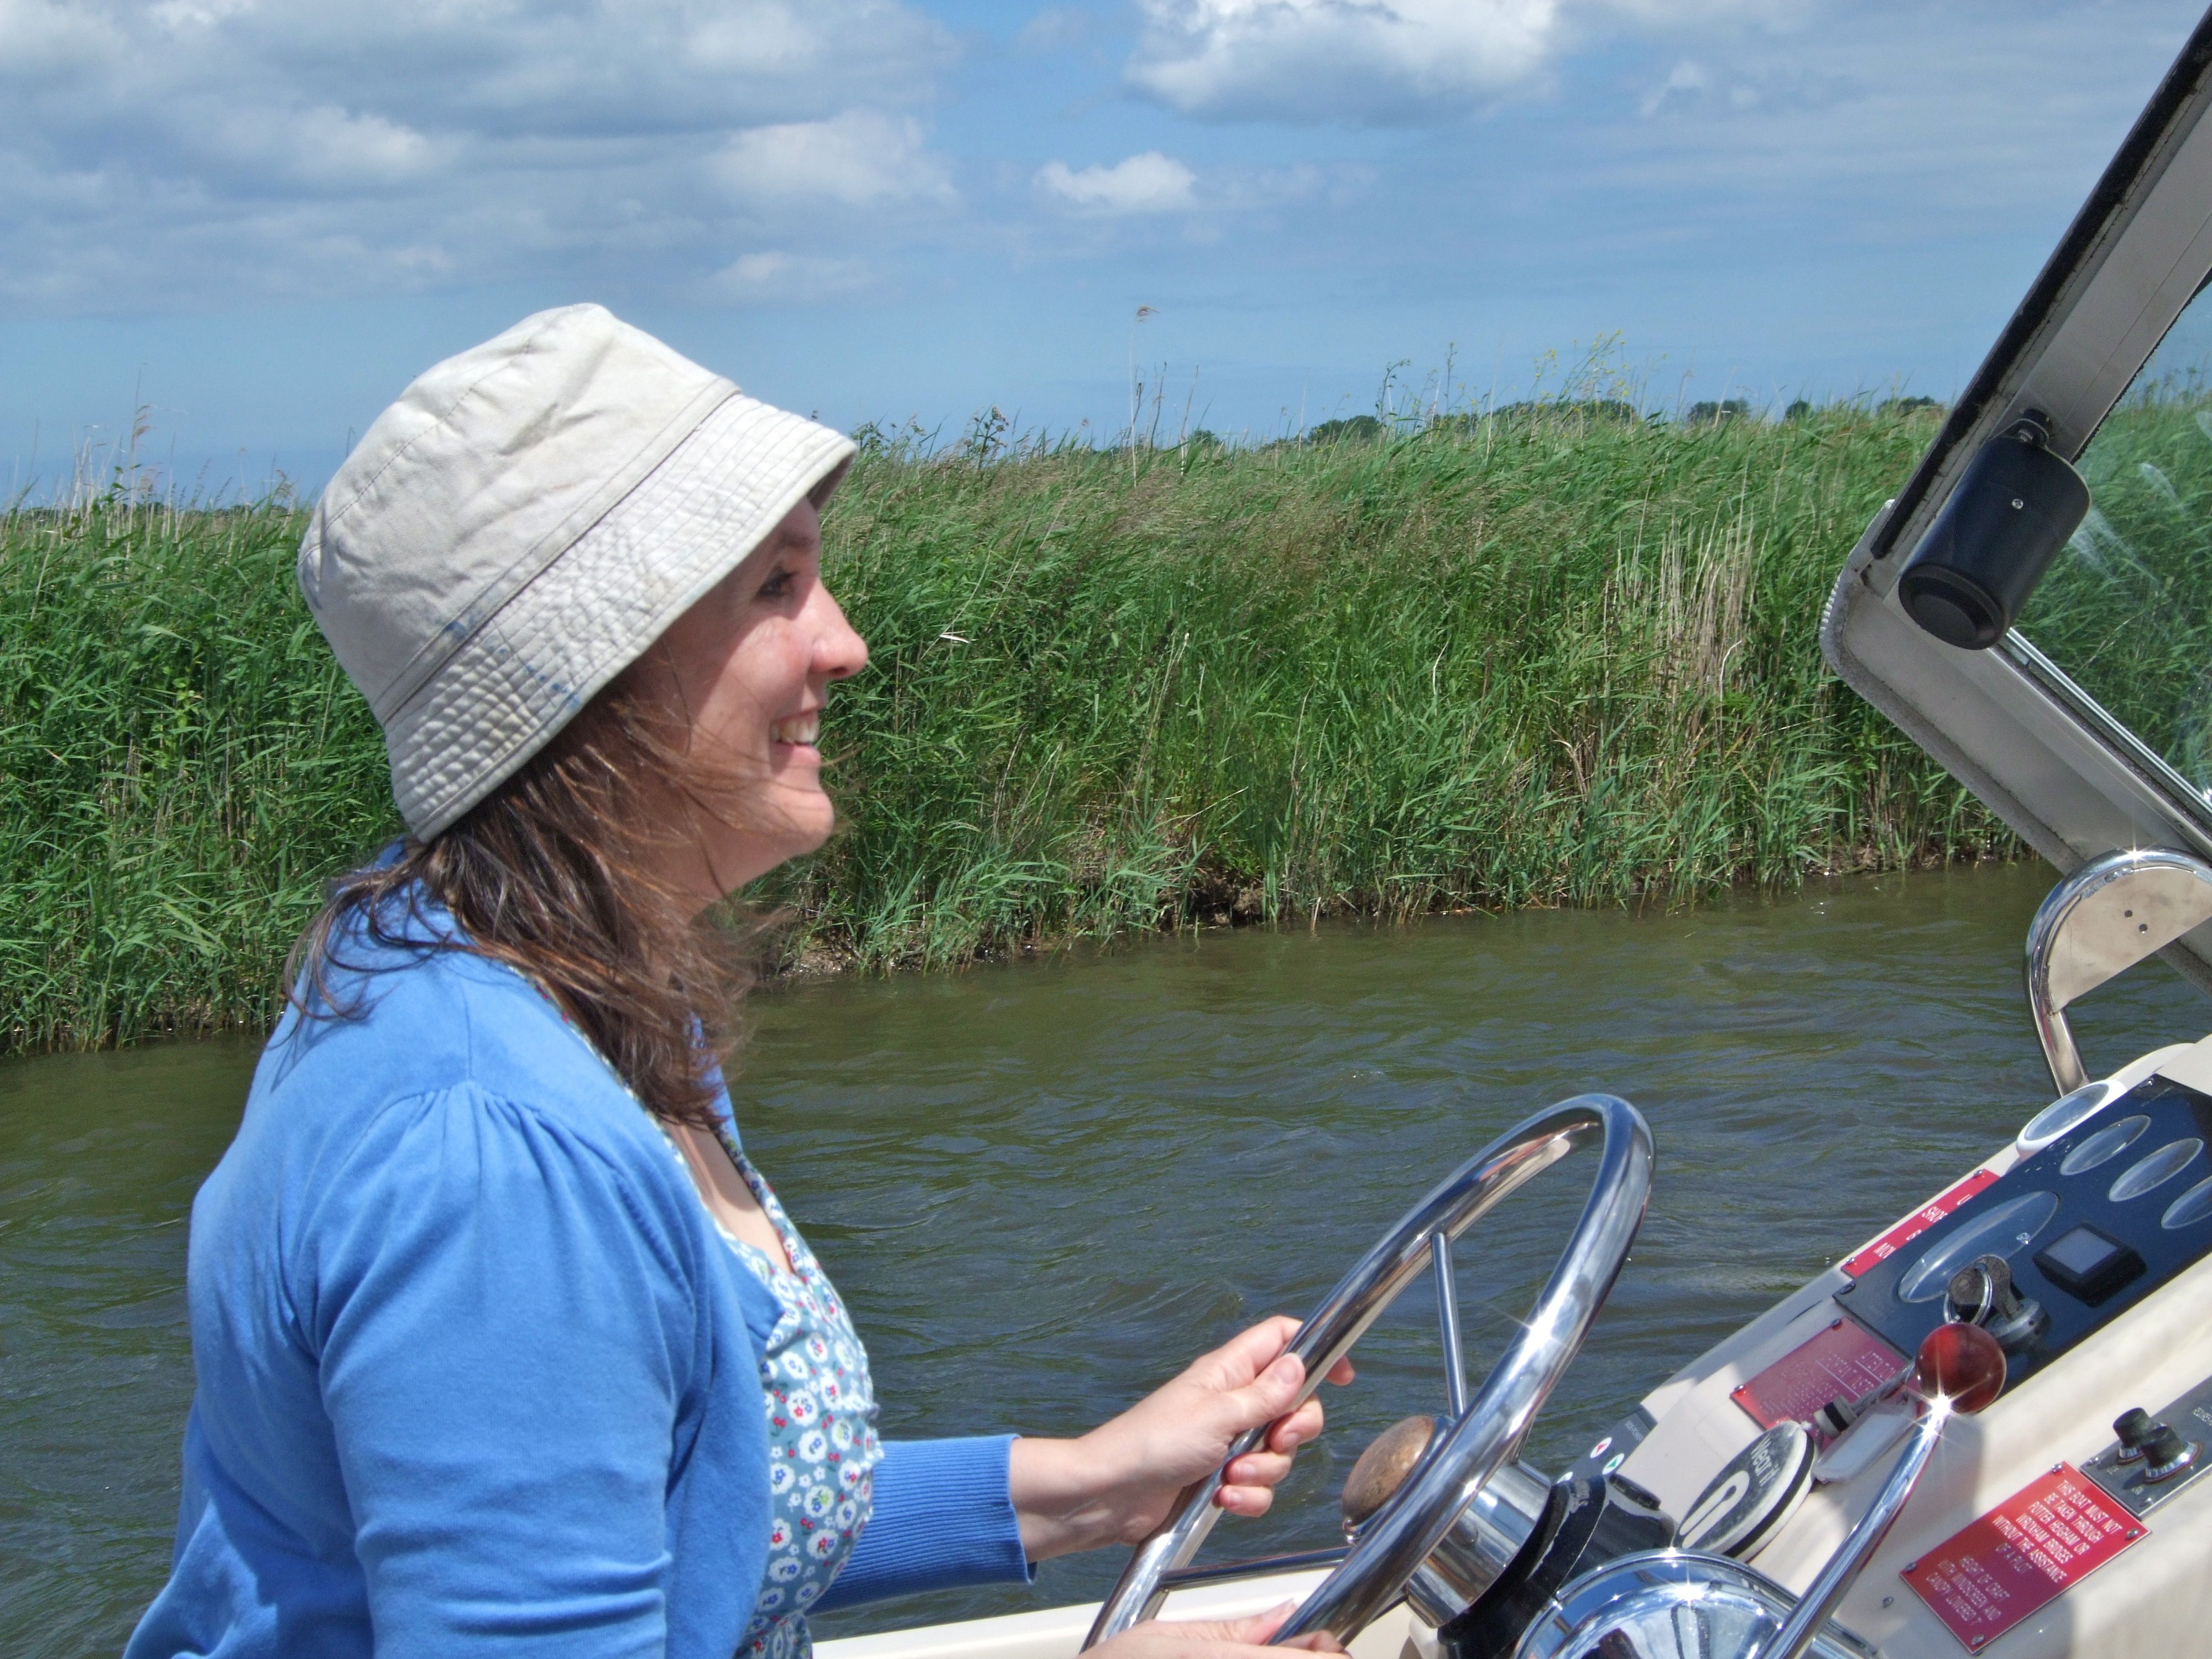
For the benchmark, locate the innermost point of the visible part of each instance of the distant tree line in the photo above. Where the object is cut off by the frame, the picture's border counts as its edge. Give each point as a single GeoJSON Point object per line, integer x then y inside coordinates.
{"type": "Point", "coordinates": [1363, 428]}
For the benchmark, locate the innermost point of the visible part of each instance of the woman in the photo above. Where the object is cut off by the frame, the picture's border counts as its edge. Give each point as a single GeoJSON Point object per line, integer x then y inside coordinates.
{"type": "Point", "coordinates": [499, 1335]}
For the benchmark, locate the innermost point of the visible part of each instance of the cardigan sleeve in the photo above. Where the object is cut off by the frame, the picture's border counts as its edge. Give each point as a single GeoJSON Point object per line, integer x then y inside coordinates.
{"type": "Point", "coordinates": [504, 1336]}
{"type": "Point", "coordinates": [943, 1517]}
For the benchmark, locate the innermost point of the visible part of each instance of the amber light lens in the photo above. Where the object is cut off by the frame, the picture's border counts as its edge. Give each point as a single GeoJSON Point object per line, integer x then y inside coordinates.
{"type": "Point", "coordinates": [1962, 1364]}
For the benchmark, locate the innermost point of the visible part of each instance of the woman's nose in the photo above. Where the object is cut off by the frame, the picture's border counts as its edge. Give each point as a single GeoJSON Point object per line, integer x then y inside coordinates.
{"type": "Point", "coordinates": [840, 653]}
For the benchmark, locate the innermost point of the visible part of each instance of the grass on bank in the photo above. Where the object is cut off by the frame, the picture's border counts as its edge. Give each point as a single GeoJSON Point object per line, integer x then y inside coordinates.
{"type": "Point", "coordinates": [2126, 608]}
{"type": "Point", "coordinates": [1559, 658]}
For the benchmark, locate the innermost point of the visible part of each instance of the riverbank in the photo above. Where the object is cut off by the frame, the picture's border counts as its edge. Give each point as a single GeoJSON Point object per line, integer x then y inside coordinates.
{"type": "Point", "coordinates": [1531, 659]}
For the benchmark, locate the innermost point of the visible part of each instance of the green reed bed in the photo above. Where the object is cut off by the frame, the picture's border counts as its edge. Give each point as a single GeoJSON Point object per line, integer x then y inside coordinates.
{"type": "Point", "coordinates": [1559, 658]}
{"type": "Point", "coordinates": [181, 764]}
{"type": "Point", "coordinates": [2125, 608]}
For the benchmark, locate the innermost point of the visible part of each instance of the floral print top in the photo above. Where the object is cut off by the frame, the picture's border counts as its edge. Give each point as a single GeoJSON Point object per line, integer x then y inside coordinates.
{"type": "Point", "coordinates": [821, 1407]}
{"type": "Point", "coordinates": [822, 1444]}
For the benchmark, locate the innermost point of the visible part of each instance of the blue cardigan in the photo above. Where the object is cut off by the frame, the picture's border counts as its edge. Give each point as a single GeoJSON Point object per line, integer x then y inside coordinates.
{"type": "Point", "coordinates": [474, 1368]}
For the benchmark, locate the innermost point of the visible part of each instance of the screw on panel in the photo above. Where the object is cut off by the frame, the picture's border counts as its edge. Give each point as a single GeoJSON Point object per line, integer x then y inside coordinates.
{"type": "Point", "coordinates": [1888, 1600]}
{"type": "Point", "coordinates": [1911, 1567]}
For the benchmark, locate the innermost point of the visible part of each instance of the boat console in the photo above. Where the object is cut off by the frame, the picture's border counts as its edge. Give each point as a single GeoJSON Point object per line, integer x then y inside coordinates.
{"type": "Point", "coordinates": [1987, 1429]}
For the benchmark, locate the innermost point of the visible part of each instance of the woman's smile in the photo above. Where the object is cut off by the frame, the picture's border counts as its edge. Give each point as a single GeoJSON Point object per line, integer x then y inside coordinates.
{"type": "Point", "coordinates": [795, 735]}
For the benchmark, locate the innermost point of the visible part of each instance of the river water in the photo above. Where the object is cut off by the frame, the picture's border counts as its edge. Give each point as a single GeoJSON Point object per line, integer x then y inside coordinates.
{"type": "Point", "coordinates": [1044, 1186]}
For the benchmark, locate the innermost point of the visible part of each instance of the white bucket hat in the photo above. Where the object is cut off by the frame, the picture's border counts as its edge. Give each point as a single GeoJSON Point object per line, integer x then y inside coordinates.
{"type": "Point", "coordinates": [523, 523]}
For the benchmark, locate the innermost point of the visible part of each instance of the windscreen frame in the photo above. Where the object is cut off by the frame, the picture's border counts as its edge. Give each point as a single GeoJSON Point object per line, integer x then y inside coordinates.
{"type": "Point", "coordinates": [2046, 756]}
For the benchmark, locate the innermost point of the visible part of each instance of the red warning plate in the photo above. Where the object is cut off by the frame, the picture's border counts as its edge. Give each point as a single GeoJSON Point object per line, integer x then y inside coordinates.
{"type": "Point", "coordinates": [2049, 1535]}
{"type": "Point", "coordinates": [1845, 1359]}
{"type": "Point", "coordinates": [1918, 1222]}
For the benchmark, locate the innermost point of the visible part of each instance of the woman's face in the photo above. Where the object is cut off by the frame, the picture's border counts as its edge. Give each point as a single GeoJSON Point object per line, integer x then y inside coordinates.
{"type": "Point", "coordinates": [747, 671]}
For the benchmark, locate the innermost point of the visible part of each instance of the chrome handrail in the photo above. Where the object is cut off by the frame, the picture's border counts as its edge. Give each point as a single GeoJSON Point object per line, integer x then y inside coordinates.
{"type": "Point", "coordinates": [2099, 922]}
{"type": "Point", "coordinates": [1960, 1368]}
{"type": "Point", "coordinates": [1843, 1568]}
{"type": "Point", "coordinates": [1394, 1541]}
{"type": "Point", "coordinates": [1266, 1566]}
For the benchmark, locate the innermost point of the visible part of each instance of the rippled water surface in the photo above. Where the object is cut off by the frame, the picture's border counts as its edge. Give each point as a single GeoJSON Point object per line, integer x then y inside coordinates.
{"type": "Point", "coordinates": [1044, 1186]}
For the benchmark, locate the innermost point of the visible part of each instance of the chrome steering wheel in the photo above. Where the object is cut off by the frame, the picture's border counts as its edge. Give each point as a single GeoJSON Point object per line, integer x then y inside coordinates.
{"type": "Point", "coordinates": [1486, 1430]}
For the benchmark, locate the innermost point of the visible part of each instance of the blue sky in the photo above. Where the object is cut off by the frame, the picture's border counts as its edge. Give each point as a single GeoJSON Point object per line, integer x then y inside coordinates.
{"type": "Point", "coordinates": [259, 218]}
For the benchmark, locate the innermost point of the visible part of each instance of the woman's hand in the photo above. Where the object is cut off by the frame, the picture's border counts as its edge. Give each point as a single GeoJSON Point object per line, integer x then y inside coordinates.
{"type": "Point", "coordinates": [1118, 1482]}
{"type": "Point", "coordinates": [1211, 1638]}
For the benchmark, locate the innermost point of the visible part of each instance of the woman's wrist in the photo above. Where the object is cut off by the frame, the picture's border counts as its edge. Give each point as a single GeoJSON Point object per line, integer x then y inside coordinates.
{"type": "Point", "coordinates": [1064, 1498]}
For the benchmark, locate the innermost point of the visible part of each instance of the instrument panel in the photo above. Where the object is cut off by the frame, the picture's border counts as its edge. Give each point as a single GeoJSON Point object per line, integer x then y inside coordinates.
{"type": "Point", "coordinates": [2088, 1226]}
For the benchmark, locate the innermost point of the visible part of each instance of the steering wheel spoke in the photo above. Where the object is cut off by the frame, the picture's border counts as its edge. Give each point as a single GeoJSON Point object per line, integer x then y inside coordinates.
{"type": "Point", "coordinates": [1300, 1561]}
{"type": "Point", "coordinates": [1440, 1258]}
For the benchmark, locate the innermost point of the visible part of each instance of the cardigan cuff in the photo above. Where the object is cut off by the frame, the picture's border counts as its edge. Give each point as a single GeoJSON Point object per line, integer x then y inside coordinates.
{"type": "Point", "coordinates": [943, 1515]}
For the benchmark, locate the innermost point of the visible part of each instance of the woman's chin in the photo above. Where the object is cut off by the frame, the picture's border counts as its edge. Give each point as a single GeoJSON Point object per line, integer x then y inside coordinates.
{"type": "Point", "coordinates": [806, 825]}
{"type": "Point", "coordinates": [790, 816]}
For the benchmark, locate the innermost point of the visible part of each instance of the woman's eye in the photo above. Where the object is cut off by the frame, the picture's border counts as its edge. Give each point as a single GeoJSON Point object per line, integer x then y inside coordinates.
{"type": "Point", "coordinates": [777, 587]}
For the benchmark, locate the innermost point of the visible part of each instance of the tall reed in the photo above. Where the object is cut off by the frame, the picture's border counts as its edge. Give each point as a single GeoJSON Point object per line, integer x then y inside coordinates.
{"type": "Point", "coordinates": [1557, 656]}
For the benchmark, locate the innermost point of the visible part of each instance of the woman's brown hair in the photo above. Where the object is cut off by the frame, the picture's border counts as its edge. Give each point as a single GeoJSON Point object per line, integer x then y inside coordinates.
{"type": "Point", "coordinates": [554, 874]}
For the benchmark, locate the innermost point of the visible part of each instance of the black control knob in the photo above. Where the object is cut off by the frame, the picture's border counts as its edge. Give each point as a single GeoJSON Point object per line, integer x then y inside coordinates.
{"type": "Point", "coordinates": [2163, 1445]}
{"type": "Point", "coordinates": [2133, 1428]}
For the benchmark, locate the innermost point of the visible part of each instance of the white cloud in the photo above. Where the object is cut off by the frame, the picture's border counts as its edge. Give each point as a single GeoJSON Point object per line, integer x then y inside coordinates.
{"type": "Point", "coordinates": [1381, 61]}
{"type": "Point", "coordinates": [39, 38]}
{"type": "Point", "coordinates": [168, 153]}
{"type": "Point", "coordinates": [321, 148]}
{"type": "Point", "coordinates": [859, 159]}
{"type": "Point", "coordinates": [775, 275]}
{"type": "Point", "coordinates": [1324, 59]}
{"type": "Point", "coordinates": [1150, 182]}
{"type": "Point", "coordinates": [1686, 79]}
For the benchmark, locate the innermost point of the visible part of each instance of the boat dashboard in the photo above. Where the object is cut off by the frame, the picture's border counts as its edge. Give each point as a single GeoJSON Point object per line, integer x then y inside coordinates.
{"type": "Point", "coordinates": [2088, 1225]}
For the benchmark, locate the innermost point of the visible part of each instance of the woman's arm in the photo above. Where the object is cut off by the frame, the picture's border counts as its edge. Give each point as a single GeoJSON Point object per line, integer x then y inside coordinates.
{"type": "Point", "coordinates": [1117, 1482]}
{"type": "Point", "coordinates": [503, 1338]}
{"type": "Point", "coordinates": [979, 1511]}
{"type": "Point", "coordinates": [942, 1517]}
